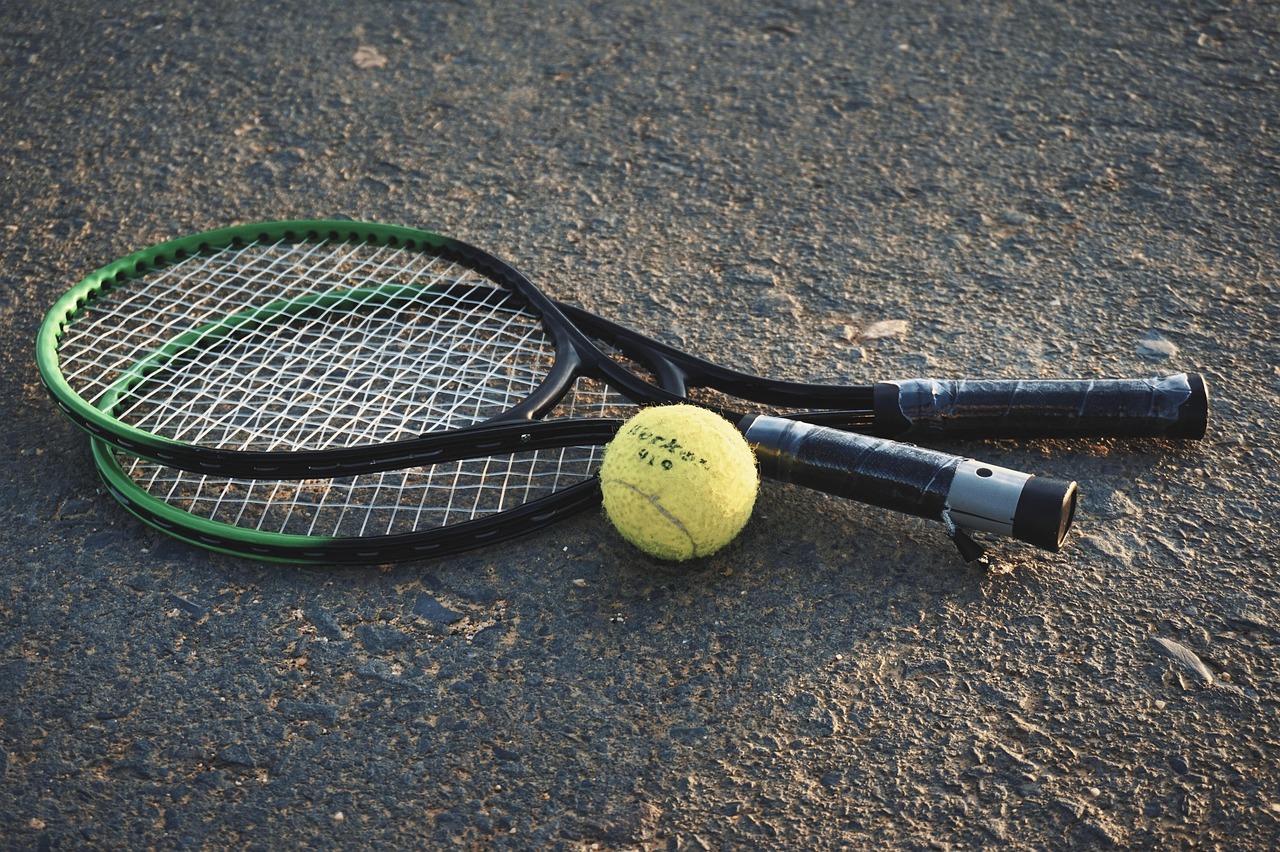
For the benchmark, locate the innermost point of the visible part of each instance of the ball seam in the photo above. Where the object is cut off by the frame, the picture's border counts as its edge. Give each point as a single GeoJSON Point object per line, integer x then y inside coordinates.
{"type": "Point", "coordinates": [657, 504]}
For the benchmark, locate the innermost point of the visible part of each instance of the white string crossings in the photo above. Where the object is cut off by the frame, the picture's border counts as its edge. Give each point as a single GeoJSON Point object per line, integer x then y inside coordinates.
{"type": "Point", "coordinates": [390, 502]}
{"type": "Point", "coordinates": [371, 369]}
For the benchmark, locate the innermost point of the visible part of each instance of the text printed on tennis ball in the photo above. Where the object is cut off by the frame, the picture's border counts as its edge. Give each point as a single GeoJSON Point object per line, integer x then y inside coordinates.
{"type": "Point", "coordinates": [675, 452]}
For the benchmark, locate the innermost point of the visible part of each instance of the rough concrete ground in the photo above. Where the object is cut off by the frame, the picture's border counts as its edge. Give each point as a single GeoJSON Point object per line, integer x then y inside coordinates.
{"type": "Point", "coordinates": [1011, 189]}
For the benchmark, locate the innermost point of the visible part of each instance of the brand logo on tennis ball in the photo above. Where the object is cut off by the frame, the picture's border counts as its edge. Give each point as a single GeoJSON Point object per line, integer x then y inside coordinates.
{"type": "Point", "coordinates": [660, 445]}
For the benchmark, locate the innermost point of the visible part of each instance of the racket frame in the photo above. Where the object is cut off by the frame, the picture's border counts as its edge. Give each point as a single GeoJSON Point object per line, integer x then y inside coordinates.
{"type": "Point", "coordinates": [575, 355]}
{"type": "Point", "coordinates": [1126, 405]}
{"type": "Point", "coordinates": [276, 546]}
{"type": "Point", "coordinates": [570, 332]}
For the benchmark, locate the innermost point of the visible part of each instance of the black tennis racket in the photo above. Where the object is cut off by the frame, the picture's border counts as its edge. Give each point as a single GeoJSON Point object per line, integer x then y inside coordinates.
{"type": "Point", "coordinates": [465, 499]}
{"type": "Point", "coordinates": [327, 349]}
{"type": "Point", "coordinates": [255, 350]}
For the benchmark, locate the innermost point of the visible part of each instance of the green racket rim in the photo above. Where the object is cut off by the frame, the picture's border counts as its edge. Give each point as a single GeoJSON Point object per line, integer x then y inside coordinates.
{"type": "Point", "coordinates": [292, 548]}
{"type": "Point", "coordinates": [198, 531]}
{"type": "Point", "coordinates": [97, 419]}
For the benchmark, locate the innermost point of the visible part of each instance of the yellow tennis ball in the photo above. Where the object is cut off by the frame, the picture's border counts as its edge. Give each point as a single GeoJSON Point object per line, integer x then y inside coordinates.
{"type": "Point", "coordinates": [679, 481]}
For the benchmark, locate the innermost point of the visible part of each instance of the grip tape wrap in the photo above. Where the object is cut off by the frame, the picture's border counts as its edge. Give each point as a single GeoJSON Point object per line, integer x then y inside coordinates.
{"type": "Point", "coordinates": [1175, 406]}
{"type": "Point", "coordinates": [914, 480]}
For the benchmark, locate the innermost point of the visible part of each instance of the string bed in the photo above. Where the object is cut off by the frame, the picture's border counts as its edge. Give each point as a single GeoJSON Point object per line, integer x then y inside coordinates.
{"type": "Point", "coordinates": [392, 502]}
{"type": "Point", "coordinates": [288, 346]}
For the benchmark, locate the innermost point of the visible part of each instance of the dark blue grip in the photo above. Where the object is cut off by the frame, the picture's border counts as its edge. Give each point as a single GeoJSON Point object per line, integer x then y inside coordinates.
{"type": "Point", "coordinates": [895, 476]}
{"type": "Point", "coordinates": [957, 491]}
{"type": "Point", "coordinates": [1175, 406]}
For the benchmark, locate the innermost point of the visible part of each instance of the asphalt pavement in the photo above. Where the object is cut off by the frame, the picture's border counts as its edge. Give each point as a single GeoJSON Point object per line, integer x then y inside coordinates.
{"type": "Point", "coordinates": [835, 191]}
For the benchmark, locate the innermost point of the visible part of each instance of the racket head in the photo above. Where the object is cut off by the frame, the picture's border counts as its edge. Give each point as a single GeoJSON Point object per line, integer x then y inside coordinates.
{"type": "Point", "coordinates": [292, 348]}
{"type": "Point", "coordinates": [388, 516]}
{"type": "Point", "coordinates": [466, 498]}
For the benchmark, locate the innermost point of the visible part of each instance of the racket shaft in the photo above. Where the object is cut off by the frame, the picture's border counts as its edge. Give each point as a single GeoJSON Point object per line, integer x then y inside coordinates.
{"type": "Point", "coordinates": [914, 480]}
{"type": "Point", "coordinates": [1176, 406]}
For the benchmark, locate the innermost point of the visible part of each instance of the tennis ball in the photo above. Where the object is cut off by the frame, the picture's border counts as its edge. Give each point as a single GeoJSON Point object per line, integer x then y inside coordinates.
{"type": "Point", "coordinates": [679, 481]}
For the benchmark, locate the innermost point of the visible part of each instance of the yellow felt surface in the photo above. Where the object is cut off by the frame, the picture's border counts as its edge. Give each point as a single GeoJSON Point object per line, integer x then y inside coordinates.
{"type": "Point", "coordinates": [679, 482]}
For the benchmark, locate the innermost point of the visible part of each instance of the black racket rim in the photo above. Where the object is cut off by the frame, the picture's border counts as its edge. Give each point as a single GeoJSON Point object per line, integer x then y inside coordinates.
{"type": "Point", "coordinates": [273, 546]}
{"type": "Point", "coordinates": [575, 355]}
{"type": "Point", "coordinates": [682, 372]}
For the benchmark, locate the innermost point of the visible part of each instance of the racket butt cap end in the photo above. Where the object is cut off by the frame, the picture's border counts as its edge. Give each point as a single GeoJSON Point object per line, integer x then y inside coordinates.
{"type": "Point", "coordinates": [1045, 512]}
{"type": "Point", "coordinates": [1193, 415]}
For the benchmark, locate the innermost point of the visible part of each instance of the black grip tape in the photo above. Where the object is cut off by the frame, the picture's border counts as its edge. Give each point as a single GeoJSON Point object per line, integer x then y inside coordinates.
{"type": "Point", "coordinates": [1175, 406]}
{"type": "Point", "coordinates": [871, 470]}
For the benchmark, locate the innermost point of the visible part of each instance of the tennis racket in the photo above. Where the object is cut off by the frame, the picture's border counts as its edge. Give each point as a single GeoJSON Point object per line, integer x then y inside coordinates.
{"type": "Point", "coordinates": [467, 499]}
{"type": "Point", "coordinates": [327, 349]}
{"type": "Point", "coordinates": [254, 351]}
{"type": "Point", "coordinates": [459, 503]}
{"type": "Point", "coordinates": [464, 500]}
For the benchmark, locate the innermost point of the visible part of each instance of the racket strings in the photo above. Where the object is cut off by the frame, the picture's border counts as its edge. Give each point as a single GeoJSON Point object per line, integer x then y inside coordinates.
{"type": "Point", "coordinates": [380, 364]}
{"type": "Point", "coordinates": [121, 325]}
{"type": "Point", "coordinates": [291, 346]}
{"type": "Point", "coordinates": [391, 502]}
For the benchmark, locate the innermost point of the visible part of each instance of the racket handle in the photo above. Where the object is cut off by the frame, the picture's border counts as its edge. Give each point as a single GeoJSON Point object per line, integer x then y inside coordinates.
{"type": "Point", "coordinates": [957, 491]}
{"type": "Point", "coordinates": [1175, 406]}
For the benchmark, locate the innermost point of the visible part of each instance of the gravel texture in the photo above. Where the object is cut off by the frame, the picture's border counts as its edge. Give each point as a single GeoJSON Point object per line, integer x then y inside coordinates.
{"type": "Point", "coordinates": [822, 190]}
